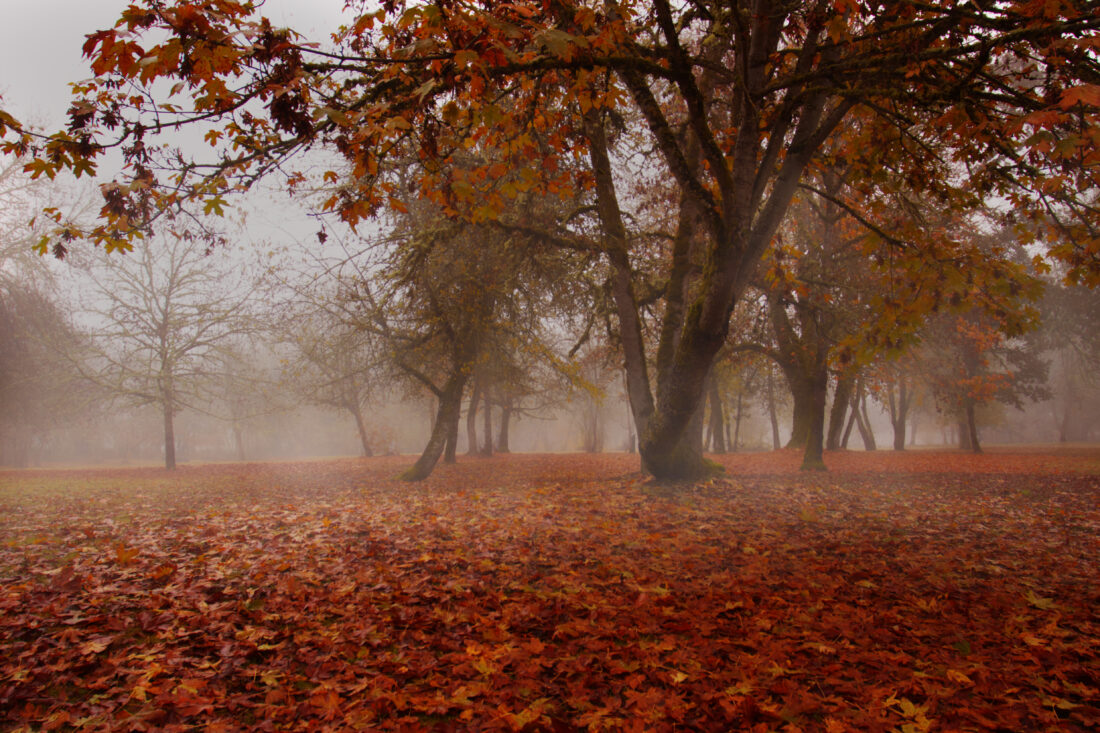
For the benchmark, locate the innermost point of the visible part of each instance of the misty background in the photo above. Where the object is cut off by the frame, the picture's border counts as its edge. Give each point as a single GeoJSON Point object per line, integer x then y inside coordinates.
{"type": "Point", "coordinates": [267, 361]}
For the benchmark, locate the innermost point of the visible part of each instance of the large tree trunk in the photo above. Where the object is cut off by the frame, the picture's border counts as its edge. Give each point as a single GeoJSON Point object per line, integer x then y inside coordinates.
{"type": "Point", "coordinates": [672, 445]}
{"type": "Point", "coordinates": [717, 426]}
{"type": "Point", "coordinates": [813, 459]}
{"type": "Point", "coordinates": [471, 419]}
{"type": "Point", "coordinates": [899, 434]}
{"type": "Point", "coordinates": [361, 426]}
{"type": "Point", "coordinates": [450, 447]}
{"type": "Point", "coordinates": [842, 396]}
{"type": "Point", "coordinates": [802, 394]}
{"type": "Point", "coordinates": [445, 426]}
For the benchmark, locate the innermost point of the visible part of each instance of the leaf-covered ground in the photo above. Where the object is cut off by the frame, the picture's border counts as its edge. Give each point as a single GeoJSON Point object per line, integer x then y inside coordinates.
{"type": "Point", "coordinates": [923, 591]}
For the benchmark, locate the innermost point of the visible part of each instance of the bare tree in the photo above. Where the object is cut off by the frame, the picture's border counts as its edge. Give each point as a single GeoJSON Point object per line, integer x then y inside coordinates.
{"type": "Point", "coordinates": [161, 317]}
{"type": "Point", "coordinates": [333, 364]}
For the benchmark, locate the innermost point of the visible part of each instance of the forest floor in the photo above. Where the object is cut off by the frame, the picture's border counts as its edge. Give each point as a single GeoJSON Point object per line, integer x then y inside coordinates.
{"type": "Point", "coordinates": [918, 591]}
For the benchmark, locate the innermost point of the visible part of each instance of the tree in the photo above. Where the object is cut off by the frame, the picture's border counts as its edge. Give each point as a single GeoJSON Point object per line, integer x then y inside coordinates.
{"type": "Point", "coordinates": [333, 364]}
{"type": "Point", "coordinates": [971, 360]}
{"type": "Point", "coordinates": [160, 318]}
{"type": "Point", "coordinates": [1070, 338]}
{"type": "Point", "coordinates": [739, 102]}
{"type": "Point", "coordinates": [39, 392]}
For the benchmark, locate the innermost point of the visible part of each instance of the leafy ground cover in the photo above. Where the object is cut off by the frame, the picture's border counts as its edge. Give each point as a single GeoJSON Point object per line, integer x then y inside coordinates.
{"type": "Point", "coordinates": [911, 592]}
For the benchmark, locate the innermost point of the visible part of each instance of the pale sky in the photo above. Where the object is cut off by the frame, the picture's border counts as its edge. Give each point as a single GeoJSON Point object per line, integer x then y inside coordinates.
{"type": "Point", "coordinates": [40, 54]}
{"type": "Point", "coordinates": [40, 42]}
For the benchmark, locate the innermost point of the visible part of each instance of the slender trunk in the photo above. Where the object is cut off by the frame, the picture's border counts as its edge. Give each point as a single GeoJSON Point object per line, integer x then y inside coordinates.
{"type": "Point", "coordinates": [852, 414]}
{"type": "Point", "coordinates": [773, 413]}
{"type": "Point", "coordinates": [445, 425]}
{"type": "Point", "coordinates": [841, 398]}
{"type": "Point", "coordinates": [487, 446]}
{"type": "Point", "coordinates": [717, 419]}
{"type": "Point", "coordinates": [622, 275]}
{"type": "Point", "coordinates": [169, 436]}
{"type": "Point", "coordinates": [736, 444]}
{"type": "Point", "coordinates": [471, 419]}
{"type": "Point", "coordinates": [361, 426]}
{"type": "Point", "coordinates": [238, 440]}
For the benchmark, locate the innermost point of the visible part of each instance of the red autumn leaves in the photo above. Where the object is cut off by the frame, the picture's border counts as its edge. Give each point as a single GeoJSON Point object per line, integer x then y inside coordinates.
{"type": "Point", "coordinates": [917, 592]}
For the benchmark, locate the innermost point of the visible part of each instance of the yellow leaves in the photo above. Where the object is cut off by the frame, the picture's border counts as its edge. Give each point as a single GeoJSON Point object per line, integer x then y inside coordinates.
{"type": "Point", "coordinates": [125, 555]}
{"type": "Point", "coordinates": [214, 206]}
{"type": "Point", "coordinates": [6, 121]}
{"type": "Point", "coordinates": [465, 59]}
{"type": "Point", "coordinates": [916, 715]}
{"type": "Point", "coordinates": [561, 44]}
{"type": "Point", "coordinates": [398, 123]}
{"type": "Point", "coordinates": [808, 514]}
{"type": "Point", "coordinates": [1037, 601]}
{"type": "Point", "coordinates": [531, 714]}
{"type": "Point", "coordinates": [956, 676]}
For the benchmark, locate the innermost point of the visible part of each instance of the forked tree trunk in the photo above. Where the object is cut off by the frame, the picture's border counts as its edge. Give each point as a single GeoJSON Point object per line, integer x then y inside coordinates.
{"type": "Point", "coordinates": [445, 426]}
{"type": "Point", "coordinates": [863, 423]}
{"type": "Point", "coordinates": [842, 396]}
{"type": "Point", "coordinates": [848, 429]}
{"type": "Point", "coordinates": [899, 412]}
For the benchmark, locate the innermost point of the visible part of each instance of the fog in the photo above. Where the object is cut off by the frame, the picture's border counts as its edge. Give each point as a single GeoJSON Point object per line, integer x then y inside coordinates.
{"type": "Point", "coordinates": [283, 348]}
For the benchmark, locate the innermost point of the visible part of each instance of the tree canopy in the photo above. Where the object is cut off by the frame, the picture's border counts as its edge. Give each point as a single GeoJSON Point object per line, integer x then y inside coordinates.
{"type": "Point", "coordinates": [741, 104]}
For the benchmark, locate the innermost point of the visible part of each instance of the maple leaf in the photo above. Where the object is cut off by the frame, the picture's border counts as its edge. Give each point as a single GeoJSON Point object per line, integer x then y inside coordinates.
{"type": "Point", "coordinates": [125, 555]}
{"type": "Point", "coordinates": [1037, 601]}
